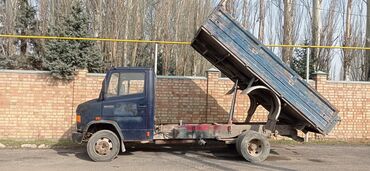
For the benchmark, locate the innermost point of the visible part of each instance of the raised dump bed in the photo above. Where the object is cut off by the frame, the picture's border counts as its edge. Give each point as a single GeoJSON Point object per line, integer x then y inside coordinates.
{"type": "Point", "coordinates": [245, 60]}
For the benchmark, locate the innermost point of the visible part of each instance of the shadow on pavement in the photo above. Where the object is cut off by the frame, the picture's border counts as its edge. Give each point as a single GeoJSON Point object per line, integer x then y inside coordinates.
{"type": "Point", "coordinates": [191, 152]}
{"type": "Point", "coordinates": [78, 152]}
{"type": "Point", "coordinates": [202, 154]}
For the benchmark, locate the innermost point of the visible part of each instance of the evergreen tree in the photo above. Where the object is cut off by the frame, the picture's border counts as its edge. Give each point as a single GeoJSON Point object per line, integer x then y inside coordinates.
{"type": "Point", "coordinates": [25, 24]}
{"type": "Point", "coordinates": [63, 57]}
{"type": "Point", "coordinates": [299, 62]}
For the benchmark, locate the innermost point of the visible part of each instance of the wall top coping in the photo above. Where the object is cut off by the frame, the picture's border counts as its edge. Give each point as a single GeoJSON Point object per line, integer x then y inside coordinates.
{"type": "Point", "coordinates": [349, 82]}
{"type": "Point", "coordinates": [181, 77]}
{"type": "Point", "coordinates": [24, 71]}
{"type": "Point", "coordinates": [213, 69]}
{"type": "Point", "coordinates": [96, 74]}
{"type": "Point", "coordinates": [224, 78]}
{"type": "Point", "coordinates": [320, 73]}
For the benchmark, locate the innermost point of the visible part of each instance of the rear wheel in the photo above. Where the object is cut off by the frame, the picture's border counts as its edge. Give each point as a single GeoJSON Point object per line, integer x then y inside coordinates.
{"type": "Point", "coordinates": [103, 146]}
{"type": "Point", "coordinates": [253, 146]}
{"type": "Point", "coordinates": [238, 141]}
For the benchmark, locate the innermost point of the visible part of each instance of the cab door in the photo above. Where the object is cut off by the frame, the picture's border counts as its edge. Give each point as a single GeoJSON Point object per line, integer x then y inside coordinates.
{"type": "Point", "coordinates": [126, 102]}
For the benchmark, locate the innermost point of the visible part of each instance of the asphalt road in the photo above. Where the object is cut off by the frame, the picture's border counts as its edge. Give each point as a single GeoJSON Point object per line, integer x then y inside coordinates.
{"type": "Point", "coordinates": [175, 157]}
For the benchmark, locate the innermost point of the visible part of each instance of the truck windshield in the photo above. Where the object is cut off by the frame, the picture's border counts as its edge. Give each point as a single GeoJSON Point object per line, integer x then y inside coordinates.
{"type": "Point", "coordinates": [121, 84]}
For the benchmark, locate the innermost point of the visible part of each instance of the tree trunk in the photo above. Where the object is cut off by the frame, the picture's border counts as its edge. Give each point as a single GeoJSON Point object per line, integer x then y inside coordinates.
{"type": "Point", "coordinates": [261, 31]}
{"type": "Point", "coordinates": [316, 29]}
{"type": "Point", "coordinates": [347, 38]}
{"type": "Point", "coordinates": [126, 32]}
{"type": "Point", "coordinates": [245, 14]}
{"type": "Point", "coordinates": [137, 30]}
{"type": "Point", "coordinates": [9, 23]}
{"type": "Point", "coordinates": [288, 29]}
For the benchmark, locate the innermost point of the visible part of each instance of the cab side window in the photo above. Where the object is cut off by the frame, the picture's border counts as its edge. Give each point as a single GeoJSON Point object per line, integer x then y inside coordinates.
{"type": "Point", "coordinates": [122, 84]}
{"type": "Point", "coordinates": [131, 83]}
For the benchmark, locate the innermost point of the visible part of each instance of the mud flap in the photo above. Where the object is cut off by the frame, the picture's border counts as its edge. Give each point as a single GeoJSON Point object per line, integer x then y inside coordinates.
{"type": "Point", "coordinates": [123, 149]}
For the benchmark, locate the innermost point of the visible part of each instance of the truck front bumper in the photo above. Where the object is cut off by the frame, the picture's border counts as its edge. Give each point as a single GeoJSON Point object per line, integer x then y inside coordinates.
{"type": "Point", "coordinates": [77, 137]}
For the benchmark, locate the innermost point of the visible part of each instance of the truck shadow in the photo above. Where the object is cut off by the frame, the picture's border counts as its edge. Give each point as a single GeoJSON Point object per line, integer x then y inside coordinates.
{"type": "Point", "coordinates": [212, 155]}
{"type": "Point", "coordinates": [202, 154]}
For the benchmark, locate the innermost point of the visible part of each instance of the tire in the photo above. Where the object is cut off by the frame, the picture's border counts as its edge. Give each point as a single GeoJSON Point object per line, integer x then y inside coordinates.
{"type": "Point", "coordinates": [253, 146]}
{"type": "Point", "coordinates": [238, 142]}
{"type": "Point", "coordinates": [103, 146]}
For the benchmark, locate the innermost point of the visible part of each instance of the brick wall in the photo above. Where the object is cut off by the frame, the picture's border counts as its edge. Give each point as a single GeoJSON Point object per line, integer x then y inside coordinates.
{"type": "Point", "coordinates": [353, 101]}
{"type": "Point", "coordinates": [34, 106]}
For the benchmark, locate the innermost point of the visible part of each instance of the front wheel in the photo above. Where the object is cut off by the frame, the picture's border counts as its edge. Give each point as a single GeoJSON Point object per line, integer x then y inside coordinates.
{"type": "Point", "coordinates": [103, 146]}
{"type": "Point", "coordinates": [253, 146]}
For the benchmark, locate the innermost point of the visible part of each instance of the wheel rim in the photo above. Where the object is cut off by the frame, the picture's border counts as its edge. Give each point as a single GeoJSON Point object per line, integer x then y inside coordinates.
{"type": "Point", "coordinates": [103, 146]}
{"type": "Point", "coordinates": [254, 147]}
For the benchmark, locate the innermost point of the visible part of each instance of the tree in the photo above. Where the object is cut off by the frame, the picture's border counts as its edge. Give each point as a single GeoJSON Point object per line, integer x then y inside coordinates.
{"type": "Point", "coordinates": [7, 17]}
{"type": "Point", "coordinates": [325, 34]}
{"type": "Point", "coordinates": [261, 28]}
{"type": "Point", "coordinates": [63, 57]}
{"type": "Point", "coordinates": [25, 24]}
{"type": "Point", "coordinates": [287, 53]}
{"type": "Point", "coordinates": [299, 62]}
{"type": "Point", "coordinates": [347, 41]}
{"type": "Point", "coordinates": [316, 30]}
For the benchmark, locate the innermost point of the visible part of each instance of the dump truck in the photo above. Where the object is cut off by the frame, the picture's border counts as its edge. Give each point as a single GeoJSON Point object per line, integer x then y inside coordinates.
{"type": "Point", "coordinates": [125, 109]}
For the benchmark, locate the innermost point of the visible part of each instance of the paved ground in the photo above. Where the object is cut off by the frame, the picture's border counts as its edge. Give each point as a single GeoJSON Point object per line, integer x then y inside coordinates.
{"type": "Point", "coordinates": [215, 157]}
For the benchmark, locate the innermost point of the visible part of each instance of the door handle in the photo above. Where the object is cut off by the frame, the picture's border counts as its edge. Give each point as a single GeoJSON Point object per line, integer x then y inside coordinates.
{"type": "Point", "coordinates": [142, 105]}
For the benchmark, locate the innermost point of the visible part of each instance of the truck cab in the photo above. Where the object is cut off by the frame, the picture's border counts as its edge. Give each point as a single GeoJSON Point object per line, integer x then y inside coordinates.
{"type": "Point", "coordinates": [124, 111]}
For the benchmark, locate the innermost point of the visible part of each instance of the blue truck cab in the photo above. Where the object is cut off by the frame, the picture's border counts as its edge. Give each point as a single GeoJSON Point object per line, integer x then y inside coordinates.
{"type": "Point", "coordinates": [124, 111]}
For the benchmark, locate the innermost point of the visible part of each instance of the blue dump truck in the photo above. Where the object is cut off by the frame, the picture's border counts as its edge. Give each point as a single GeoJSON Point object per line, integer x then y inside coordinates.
{"type": "Point", "coordinates": [124, 111]}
